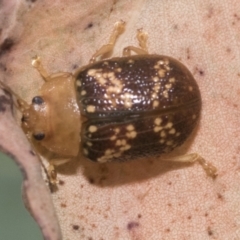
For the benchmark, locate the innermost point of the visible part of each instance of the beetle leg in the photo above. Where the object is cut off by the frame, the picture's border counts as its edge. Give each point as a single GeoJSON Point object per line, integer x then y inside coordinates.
{"type": "Point", "coordinates": [52, 174]}
{"type": "Point", "coordinates": [142, 41]}
{"type": "Point", "coordinates": [51, 169]}
{"type": "Point", "coordinates": [210, 169]}
{"type": "Point", "coordinates": [118, 29]}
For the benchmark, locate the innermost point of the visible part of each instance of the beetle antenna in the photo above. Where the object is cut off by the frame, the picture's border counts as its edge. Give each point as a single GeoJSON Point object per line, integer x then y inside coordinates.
{"type": "Point", "coordinates": [36, 62]}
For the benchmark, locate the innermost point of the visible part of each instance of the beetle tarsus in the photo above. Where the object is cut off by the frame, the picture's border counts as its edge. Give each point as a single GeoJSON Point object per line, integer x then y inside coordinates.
{"type": "Point", "coordinates": [142, 42]}
{"type": "Point", "coordinates": [105, 49]}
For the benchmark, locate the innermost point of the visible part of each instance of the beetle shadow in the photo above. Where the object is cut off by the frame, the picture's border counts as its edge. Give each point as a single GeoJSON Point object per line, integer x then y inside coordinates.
{"type": "Point", "coordinates": [119, 173]}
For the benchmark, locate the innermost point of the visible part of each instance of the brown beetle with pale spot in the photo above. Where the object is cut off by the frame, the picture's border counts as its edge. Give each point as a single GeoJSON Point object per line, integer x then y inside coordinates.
{"type": "Point", "coordinates": [133, 106]}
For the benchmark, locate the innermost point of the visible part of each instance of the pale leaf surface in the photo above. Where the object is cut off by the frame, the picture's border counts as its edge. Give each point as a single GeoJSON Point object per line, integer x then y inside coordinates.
{"type": "Point", "coordinates": [145, 199]}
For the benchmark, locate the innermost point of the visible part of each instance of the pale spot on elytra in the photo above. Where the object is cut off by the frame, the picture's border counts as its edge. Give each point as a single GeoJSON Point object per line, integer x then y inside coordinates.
{"type": "Point", "coordinates": [155, 79]}
{"type": "Point", "coordinates": [169, 125]}
{"type": "Point", "coordinates": [83, 92]}
{"type": "Point", "coordinates": [172, 131]}
{"type": "Point", "coordinates": [168, 86]}
{"type": "Point", "coordinates": [130, 127]}
{"type": "Point", "coordinates": [157, 129]}
{"type": "Point", "coordinates": [163, 134]}
{"type": "Point", "coordinates": [91, 108]}
{"type": "Point", "coordinates": [78, 83]}
{"type": "Point", "coordinates": [85, 151]}
{"type": "Point", "coordinates": [165, 93]}
{"type": "Point", "coordinates": [92, 128]}
{"type": "Point", "coordinates": [157, 121]}
{"type": "Point", "coordinates": [114, 137]}
{"type": "Point", "coordinates": [89, 144]}
{"type": "Point", "coordinates": [170, 142]}
{"type": "Point", "coordinates": [161, 73]}
{"type": "Point", "coordinates": [155, 103]}
{"type": "Point", "coordinates": [131, 134]}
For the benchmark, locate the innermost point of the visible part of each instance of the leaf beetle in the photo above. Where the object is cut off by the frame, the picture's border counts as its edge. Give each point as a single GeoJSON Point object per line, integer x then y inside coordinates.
{"type": "Point", "coordinates": [115, 109]}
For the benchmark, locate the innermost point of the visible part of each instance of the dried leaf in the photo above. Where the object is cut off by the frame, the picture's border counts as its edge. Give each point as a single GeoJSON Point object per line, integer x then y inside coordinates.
{"type": "Point", "coordinates": [145, 199]}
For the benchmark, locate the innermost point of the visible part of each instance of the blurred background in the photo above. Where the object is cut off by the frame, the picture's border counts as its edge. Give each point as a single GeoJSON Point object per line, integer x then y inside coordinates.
{"type": "Point", "coordinates": [15, 221]}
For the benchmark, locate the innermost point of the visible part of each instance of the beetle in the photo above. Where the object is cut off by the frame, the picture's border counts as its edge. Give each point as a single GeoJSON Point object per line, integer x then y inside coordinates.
{"type": "Point", "coordinates": [115, 109]}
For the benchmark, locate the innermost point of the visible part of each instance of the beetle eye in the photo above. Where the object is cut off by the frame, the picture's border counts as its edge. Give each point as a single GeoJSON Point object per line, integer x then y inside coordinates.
{"type": "Point", "coordinates": [37, 100]}
{"type": "Point", "coordinates": [39, 136]}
